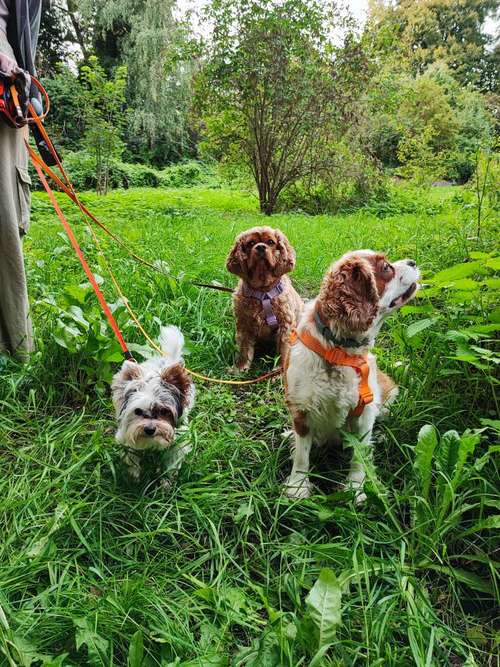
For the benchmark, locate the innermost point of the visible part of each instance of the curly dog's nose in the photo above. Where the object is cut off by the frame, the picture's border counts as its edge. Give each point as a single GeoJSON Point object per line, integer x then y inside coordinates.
{"type": "Point", "coordinates": [149, 430]}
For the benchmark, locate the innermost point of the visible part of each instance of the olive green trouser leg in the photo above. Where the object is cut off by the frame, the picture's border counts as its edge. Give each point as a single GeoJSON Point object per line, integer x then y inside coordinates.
{"type": "Point", "coordinates": [15, 325]}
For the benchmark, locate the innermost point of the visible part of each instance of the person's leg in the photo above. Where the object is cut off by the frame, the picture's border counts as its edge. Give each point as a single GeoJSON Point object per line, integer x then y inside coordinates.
{"type": "Point", "coordinates": [15, 325]}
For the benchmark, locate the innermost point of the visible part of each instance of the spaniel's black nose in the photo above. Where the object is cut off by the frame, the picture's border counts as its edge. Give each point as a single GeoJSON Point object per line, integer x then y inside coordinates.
{"type": "Point", "coordinates": [261, 248]}
{"type": "Point", "coordinates": [411, 262]}
{"type": "Point", "coordinates": [149, 430]}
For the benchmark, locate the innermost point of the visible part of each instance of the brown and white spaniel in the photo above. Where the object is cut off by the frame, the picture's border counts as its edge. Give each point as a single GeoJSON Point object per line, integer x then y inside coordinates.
{"type": "Point", "coordinates": [332, 380]}
{"type": "Point", "coordinates": [266, 306]}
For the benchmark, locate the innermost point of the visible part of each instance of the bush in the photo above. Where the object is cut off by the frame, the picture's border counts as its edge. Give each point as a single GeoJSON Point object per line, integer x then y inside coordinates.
{"type": "Point", "coordinates": [81, 169]}
{"type": "Point", "coordinates": [184, 175]}
{"type": "Point", "coordinates": [400, 199]}
{"type": "Point", "coordinates": [348, 182]}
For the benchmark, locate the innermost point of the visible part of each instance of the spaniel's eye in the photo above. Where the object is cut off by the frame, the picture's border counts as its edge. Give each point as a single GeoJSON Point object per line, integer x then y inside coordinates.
{"type": "Point", "coordinates": [250, 244]}
{"type": "Point", "coordinates": [138, 412]}
{"type": "Point", "coordinates": [270, 242]}
{"type": "Point", "coordinates": [387, 267]}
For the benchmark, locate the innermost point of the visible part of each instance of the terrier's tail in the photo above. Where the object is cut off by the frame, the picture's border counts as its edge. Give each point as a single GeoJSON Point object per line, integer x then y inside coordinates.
{"type": "Point", "coordinates": [172, 343]}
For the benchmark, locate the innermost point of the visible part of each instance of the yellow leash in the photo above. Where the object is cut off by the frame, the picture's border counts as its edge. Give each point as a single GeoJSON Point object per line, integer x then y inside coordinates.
{"type": "Point", "coordinates": [70, 191]}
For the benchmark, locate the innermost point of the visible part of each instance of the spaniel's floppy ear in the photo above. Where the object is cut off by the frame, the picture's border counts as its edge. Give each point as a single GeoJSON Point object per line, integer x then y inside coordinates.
{"type": "Point", "coordinates": [348, 295]}
{"type": "Point", "coordinates": [287, 253]}
{"type": "Point", "coordinates": [237, 260]}
{"type": "Point", "coordinates": [178, 377]}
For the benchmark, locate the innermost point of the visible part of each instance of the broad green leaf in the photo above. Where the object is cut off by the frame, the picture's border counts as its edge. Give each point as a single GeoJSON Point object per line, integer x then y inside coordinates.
{"type": "Point", "coordinates": [472, 580]}
{"type": "Point", "coordinates": [492, 283]}
{"type": "Point", "coordinates": [465, 284]}
{"type": "Point", "coordinates": [477, 254]}
{"type": "Point", "coordinates": [494, 315]}
{"type": "Point", "coordinates": [96, 645]}
{"type": "Point", "coordinates": [323, 602]}
{"type": "Point", "coordinates": [77, 292]}
{"type": "Point", "coordinates": [466, 447]}
{"type": "Point", "coordinates": [483, 328]}
{"type": "Point", "coordinates": [447, 453]}
{"type": "Point", "coordinates": [424, 451]}
{"type": "Point", "coordinates": [421, 325]}
{"type": "Point", "coordinates": [490, 523]}
{"type": "Point", "coordinates": [493, 263]}
{"type": "Point", "coordinates": [456, 272]}
{"type": "Point", "coordinates": [407, 310]}
{"type": "Point", "coordinates": [77, 314]}
{"type": "Point", "coordinates": [136, 650]}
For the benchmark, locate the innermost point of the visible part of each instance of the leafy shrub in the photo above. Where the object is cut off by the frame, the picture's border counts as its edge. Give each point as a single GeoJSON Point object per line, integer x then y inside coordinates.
{"type": "Point", "coordinates": [184, 174]}
{"type": "Point", "coordinates": [81, 330]}
{"type": "Point", "coordinates": [470, 291]}
{"type": "Point", "coordinates": [81, 169]}
{"type": "Point", "coordinates": [400, 199]}
{"type": "Point", "coordinates": [348, 182]}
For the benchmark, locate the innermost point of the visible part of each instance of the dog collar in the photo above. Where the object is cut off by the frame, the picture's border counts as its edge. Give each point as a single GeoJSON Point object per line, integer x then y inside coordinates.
{"type": "Point", "coordinates": [326, 332]}
{"type": "Point", "coordinates": [336, 356]}
{"type": "Point", "coordinates": [266, 299]}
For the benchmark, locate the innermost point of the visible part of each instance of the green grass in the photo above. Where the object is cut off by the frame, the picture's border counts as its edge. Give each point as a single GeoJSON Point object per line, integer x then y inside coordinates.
{"type": "Point", "coordinates": [218, 570]}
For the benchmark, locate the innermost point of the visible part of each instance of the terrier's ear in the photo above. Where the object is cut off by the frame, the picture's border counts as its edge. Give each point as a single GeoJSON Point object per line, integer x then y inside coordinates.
{"type": "Point", "coordinates": [178, 377]}
{"type": "Point", "coordinates": [349, 296]}
{"type": "Point", "coordinates": [287, 253]}
{"type": "Point", "coordinates": [237, 260]}
{"type": "Point", "coordinates": [130, 370]}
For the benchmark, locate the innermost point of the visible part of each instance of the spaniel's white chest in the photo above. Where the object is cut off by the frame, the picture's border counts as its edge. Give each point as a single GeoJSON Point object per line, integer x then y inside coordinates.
{"type": "Point", "coordinates": [326, 393]}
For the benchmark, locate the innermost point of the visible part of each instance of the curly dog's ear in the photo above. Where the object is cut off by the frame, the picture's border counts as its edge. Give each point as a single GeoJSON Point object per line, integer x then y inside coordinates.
{"type": "Point", "coordinates": [348, 295]}
{"type": "Point", "coordinates": [237, 260]}
{"type": "Point", "coordinates": [287, 253]}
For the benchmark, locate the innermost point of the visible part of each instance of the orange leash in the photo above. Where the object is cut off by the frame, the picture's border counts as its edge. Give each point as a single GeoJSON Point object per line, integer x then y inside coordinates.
{"type": "Point", "coordinates": [336, 356]}
{"type": "Point", "coordinates": [39, 164]}
{"type": "Point", "coordinates": [112, 322]}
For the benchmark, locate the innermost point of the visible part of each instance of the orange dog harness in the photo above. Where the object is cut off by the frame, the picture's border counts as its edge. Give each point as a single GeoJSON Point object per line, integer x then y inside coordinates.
{"type": "Point", "coordinates": [337, 356]}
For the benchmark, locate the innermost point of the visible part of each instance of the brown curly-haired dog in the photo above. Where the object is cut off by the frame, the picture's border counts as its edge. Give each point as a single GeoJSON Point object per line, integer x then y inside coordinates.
{"type": "Point", "coordinates": [266, 306]}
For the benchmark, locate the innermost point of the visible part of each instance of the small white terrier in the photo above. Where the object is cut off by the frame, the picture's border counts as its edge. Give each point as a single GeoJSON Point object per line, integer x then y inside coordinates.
{"type": "Point", "coordinates": [152, 400]}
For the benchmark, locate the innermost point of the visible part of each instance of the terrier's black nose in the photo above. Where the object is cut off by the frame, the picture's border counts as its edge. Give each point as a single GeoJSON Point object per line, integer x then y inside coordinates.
{"type": "Point", "coordinates": [149, 430]}
{"type": "Point", "coordinates": [411, 262]}
{"type": "Point", "coordinates": [261, 248]}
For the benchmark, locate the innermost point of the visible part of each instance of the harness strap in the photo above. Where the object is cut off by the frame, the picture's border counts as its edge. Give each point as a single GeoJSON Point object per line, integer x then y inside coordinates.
{"type": "Point", "coordinates": [266, 299]}
{"type": "Point", "coordinates": [336, 356]}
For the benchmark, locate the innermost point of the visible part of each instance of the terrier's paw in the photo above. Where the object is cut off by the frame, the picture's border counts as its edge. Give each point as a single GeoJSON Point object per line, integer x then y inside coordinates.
{"type": "Point", "coordinates": [166, 484]}
{"type": "Point", "coordinates": [243, 366]}
{"type": "Point", "coordinates": [298, 488]}
{"type": "Point", "coordinates": [238, 370]}
{"type": "Point", "coordinates": [134, 472]}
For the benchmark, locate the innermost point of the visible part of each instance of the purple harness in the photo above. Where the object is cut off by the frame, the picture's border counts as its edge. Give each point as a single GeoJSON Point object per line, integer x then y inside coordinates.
{"type": "Point", "coordinates": [266, 299]}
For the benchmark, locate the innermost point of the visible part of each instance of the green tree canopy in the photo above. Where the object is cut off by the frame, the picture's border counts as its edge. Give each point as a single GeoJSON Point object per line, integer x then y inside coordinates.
{"type": "Point", "coordinates": [275, 90]}
{"type": "Point", "coordinates": [427, 31]}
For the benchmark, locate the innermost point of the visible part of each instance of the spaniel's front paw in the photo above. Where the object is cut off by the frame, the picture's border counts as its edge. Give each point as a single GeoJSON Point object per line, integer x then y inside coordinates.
{"type": "Point", "coordinates": [298, 487]}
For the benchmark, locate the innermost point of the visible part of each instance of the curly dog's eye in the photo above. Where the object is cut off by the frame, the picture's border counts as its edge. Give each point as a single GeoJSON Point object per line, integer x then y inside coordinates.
{"type": "Point", "coordinates": [164, 412]}
{"type": "Point", "coordinates": [138, 412]}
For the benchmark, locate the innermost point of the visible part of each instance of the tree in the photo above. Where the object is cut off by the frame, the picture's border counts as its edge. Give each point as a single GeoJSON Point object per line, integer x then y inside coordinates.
{"type": "Point", "coordinates": [423, 32]}
{"type": "Point", "coordinates": [428, 126]}
{"type": "Point", "coordinates": [275, 90]}
{"type": "Point", "coordinates": [157, 50]}
{"type": "Point", "coordinates": [104, 117]}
